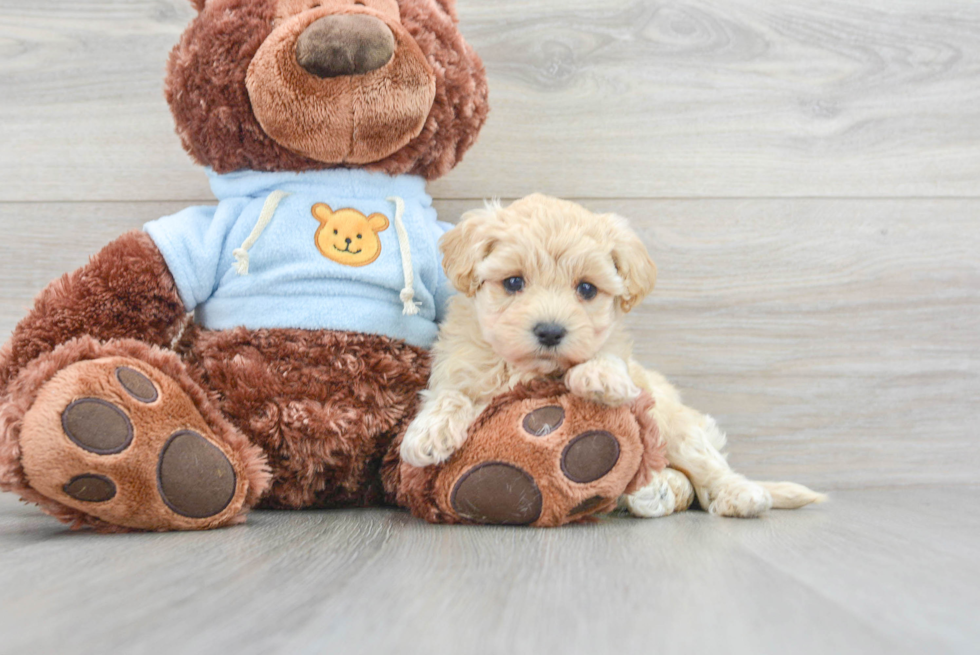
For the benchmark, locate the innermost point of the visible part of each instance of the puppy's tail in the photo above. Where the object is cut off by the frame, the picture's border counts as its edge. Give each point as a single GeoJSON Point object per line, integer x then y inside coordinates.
{"type": "Point", "coordinates": [789, 495]}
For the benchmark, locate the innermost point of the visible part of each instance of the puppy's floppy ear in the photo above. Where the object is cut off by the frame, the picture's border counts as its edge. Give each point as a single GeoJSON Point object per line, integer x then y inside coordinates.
{"type": "Point", "coordinates": [466, 245]}
{"type": "Point", "coordinates": [633, 263]}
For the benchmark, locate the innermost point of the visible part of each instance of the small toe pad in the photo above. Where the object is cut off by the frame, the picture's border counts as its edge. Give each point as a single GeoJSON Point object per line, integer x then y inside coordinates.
{"type": "Point", "coordinates": [137, 385]}
{"type": "Point", "coordinates": [544, 420]}
{"type": "Point", "coordinates": [91, 488]}
{"type": "Point", "coordinates": [97, 426]}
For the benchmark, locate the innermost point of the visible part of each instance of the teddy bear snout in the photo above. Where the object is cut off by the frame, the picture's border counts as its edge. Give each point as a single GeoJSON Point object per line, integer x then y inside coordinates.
{"type": "Point", "coordinates": [345, 44]}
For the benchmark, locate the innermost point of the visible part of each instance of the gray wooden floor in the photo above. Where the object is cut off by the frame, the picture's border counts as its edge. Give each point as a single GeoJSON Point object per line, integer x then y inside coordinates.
{"type": "Point", "coordinates": [806, 173]}
{"type": "Point", "coordinates": [892, 570]}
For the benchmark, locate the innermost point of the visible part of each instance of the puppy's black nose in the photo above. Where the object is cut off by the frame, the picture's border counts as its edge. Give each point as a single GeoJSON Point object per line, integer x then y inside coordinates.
{"type": "Point", "coordinates": [348, 241]}
{"type": "Point", "coordinates": [549, 334]}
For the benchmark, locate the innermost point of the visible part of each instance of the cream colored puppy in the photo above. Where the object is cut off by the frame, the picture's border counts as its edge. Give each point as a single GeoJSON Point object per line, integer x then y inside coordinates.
{"type": "Point", "coordinates": [544, 285]}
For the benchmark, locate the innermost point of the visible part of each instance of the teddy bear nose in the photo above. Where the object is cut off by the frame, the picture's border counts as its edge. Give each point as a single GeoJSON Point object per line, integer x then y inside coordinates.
{"type": "Point", "coordinates": [549, 334]}
{"type": "Point", "coordinates": [345, 44]}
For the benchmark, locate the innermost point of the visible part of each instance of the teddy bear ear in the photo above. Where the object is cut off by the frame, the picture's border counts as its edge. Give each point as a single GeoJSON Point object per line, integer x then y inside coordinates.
{"type": "Point", "coordinates": [198, 4]}
{"type": "Point", "coordinates": [449, 6]}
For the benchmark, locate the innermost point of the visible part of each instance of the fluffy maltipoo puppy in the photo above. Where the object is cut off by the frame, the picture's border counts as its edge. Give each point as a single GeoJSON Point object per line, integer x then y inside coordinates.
{"type": "Point", "coordinates": [544, 285]}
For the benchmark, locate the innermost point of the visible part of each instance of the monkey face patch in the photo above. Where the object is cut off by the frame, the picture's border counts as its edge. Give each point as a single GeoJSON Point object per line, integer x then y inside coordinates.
{"type": "Point", "coordinates": [347, 236]}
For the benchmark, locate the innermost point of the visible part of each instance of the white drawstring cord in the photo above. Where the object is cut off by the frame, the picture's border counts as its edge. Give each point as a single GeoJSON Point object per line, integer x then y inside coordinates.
{"type": "Point", "coordinates": [407, 296]}
{"type": "Point", "coordinates": [268, 211]}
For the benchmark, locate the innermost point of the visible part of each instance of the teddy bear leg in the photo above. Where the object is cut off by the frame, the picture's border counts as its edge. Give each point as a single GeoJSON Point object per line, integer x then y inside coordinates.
{"type": "Point", "coordinates": [539, 456]}
{"type": "Point", "coordinates": [117, 436]}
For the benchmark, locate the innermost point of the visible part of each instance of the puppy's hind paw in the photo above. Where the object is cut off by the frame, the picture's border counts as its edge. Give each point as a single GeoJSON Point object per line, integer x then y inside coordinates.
{"type": "Point", "coordinates": [667, 492]}
{"type": "Point", "coordinates": [652, 501]}
{"type": "Point", "coordinates": [740, 499]}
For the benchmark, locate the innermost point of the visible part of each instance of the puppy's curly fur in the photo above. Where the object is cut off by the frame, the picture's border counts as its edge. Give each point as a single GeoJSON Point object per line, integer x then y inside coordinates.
{"type": "Point", "coordinates": [544, 287]}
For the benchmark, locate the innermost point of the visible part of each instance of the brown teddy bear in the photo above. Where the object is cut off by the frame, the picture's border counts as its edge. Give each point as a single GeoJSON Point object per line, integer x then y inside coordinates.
{"type": "Point", "coordinates": [316, 289]}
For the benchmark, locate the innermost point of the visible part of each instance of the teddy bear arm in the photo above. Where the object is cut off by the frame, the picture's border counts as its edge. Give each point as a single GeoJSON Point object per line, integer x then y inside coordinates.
{"type": "Point", "coordinates": [125, 291]}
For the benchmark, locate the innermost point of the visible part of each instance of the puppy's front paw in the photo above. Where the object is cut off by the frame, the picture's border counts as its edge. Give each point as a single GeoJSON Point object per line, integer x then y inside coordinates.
{"type": "Point", "coordinates": [439, 430]}
{"type": "Point", "coordinates": [426, 446]}
{"type": "Point", "coordinates": [604, 379]}
{"type": "Point", "coordinates": [741, 499]}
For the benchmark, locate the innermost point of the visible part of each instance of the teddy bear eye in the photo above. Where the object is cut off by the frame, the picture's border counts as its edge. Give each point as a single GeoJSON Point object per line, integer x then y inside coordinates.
{"type": "Point", "coordinates": [586, 290]}
{"type": "Point", "coordinates": [514, 284]}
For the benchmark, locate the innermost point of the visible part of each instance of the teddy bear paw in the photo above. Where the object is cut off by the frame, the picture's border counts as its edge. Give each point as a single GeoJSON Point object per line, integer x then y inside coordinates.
{"type": "Point", "coordinates": [119, 440]}
{"type": "Point", "coordinates": [542, 461]}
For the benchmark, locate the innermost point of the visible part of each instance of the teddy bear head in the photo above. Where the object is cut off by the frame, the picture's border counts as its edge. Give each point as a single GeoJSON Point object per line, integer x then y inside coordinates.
{"type": "Point", "coordinates": [297, 85]}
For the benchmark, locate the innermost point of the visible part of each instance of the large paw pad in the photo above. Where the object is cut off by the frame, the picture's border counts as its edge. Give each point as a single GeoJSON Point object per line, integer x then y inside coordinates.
{"type": "Point", "coordinates": [497, 493]}
{"type": "Point", "coordinates": [195, 477]}
{"type": "Point", "coordinates": [542, 461]}
{"type": "Point", "coordinates": [121, 441]}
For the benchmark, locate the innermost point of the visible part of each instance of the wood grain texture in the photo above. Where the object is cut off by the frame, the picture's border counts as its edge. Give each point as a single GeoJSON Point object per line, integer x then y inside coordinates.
{"type": "Point", "coordinates": [837, 341]}
{"type": "Point", "coordinates": [623, 98]}
{"type": "Point", "coordinates": [874, 571]}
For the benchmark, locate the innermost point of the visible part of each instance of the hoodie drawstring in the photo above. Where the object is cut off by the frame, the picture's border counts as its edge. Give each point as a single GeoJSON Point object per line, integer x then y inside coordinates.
{"type": "Point", "coordinates": [409, 306]}
{"type": "Point", "coordinates": [268, 211]}
{"type": "Point", "coordinates": [407, 296]}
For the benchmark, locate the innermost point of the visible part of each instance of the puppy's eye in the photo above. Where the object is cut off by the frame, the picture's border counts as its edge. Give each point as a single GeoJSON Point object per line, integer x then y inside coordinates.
{"type": "Point", "coordinates": [587, 291]}
{"type": "Point", "coordinates": [335, 231]}
{"type": "Point", "coordinates": [514, 284]}
{"type": "Point", "coordinates": [358, 236]}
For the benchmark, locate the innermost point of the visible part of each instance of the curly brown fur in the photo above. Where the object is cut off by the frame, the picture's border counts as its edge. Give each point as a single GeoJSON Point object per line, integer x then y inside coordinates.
{"type": "Point", "coordinates": [324, 406]}
{"type": "Point", "coordinates": [210, 103]}
{"type": "Point", "coordinates": [24, 389]}
{"type": "Point", "coordinates": [124, 290]}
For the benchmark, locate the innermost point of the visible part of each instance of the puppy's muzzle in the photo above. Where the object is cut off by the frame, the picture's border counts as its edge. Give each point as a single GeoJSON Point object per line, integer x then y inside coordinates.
{"type": "Point", "coordinates": [549, 334]}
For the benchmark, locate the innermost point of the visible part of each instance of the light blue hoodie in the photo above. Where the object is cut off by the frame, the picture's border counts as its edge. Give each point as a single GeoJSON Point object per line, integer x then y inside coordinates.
{"type": "Point", "coordinates": [257, 259]}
